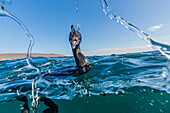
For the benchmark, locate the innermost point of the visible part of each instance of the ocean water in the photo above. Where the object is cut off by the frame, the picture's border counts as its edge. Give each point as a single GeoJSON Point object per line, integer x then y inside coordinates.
{"type": "Point", "coordinates": [118, 83]}
{"type": "Point", "coordinates": [126, 83]}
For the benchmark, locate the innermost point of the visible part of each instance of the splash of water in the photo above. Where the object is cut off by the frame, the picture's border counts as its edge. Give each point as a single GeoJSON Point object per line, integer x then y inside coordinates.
{"type": "Point", "coordinates": [28, 58]}
{"type": "Point", "coordinates": [4, 2]}
{"type": "Point", "coordinates": [78, 27]}
{"type": "Point", "coordinates": [77, 6]}
{"type": "Point", "coordinates": [163, 48]}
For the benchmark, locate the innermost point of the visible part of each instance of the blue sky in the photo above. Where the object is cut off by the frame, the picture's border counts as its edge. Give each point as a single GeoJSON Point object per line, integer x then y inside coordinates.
{"type": "Point", "coordinates": [49, 22]}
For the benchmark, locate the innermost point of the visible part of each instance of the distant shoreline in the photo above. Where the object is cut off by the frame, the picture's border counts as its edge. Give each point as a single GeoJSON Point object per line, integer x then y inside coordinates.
{"type": "Point", "coordinates": [12, 56]}
{"type": "Point", "coordinates": [95, 52]}
{"type": "Point", "coordinates": [109, 51]}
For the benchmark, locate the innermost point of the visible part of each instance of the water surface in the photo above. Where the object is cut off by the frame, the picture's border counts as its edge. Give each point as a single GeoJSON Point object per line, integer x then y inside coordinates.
{"type": "Point", "coordinates": [133, 81]}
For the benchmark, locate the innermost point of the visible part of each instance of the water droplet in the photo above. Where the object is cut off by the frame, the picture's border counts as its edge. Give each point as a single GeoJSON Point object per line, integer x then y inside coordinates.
{"type": "Point", "coordinates": [151, 104]}
{"type": "Point", "coordinates": [164, 49]}
{"type": "Point", "coordinates": [160, 110]}
{"type": "Point", "coordinates": [152, 101]}
{"type": "Point", "coordinates": [10, 90]}
{"type": "Point", "coordinates": [108, 71]}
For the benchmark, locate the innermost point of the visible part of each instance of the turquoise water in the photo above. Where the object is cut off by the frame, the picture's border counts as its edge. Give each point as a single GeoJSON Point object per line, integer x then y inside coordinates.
{"type": "Point", "coordinates": [133, 83]}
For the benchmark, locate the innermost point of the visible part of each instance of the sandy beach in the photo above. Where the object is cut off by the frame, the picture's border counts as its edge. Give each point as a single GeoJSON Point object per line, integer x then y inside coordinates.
{"type": "Point", "coordinates": [11, 56]}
